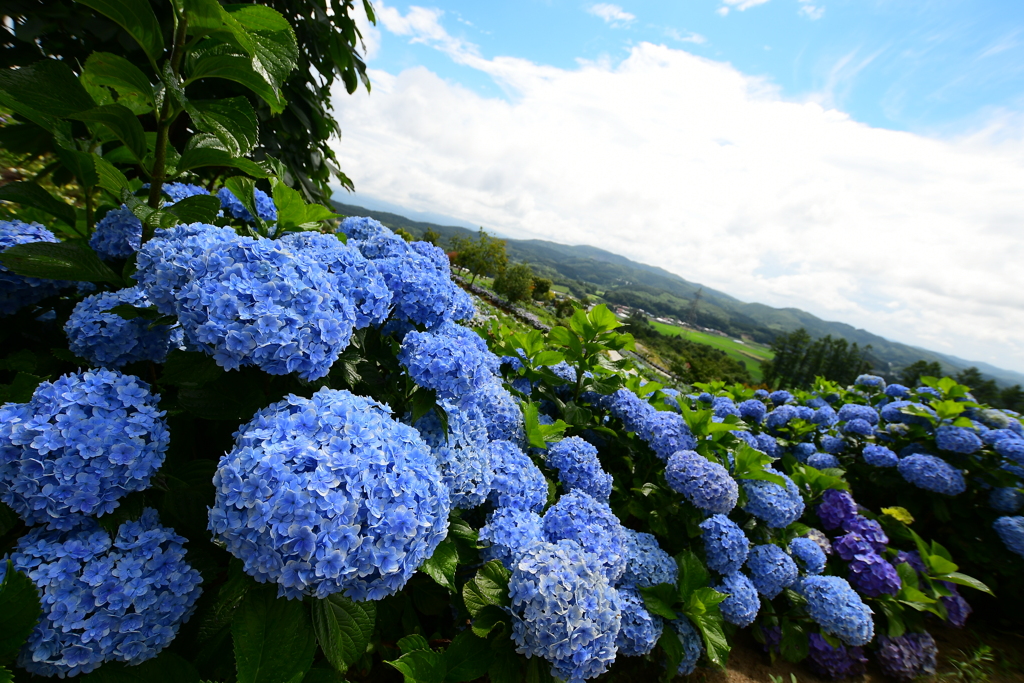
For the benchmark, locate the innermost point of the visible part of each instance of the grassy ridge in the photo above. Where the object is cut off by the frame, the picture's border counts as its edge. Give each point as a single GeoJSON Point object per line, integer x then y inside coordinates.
{"type": "Point", "coordinates": [751, 355]}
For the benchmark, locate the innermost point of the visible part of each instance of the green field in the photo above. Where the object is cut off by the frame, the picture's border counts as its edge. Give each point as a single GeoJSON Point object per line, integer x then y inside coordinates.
{"type": "Point", "coordinates": [749, 353]}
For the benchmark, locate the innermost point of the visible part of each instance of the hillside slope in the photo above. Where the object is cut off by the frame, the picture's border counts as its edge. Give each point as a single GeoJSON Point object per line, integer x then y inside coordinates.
{"type": "Point", "coordinates": [626, 282]}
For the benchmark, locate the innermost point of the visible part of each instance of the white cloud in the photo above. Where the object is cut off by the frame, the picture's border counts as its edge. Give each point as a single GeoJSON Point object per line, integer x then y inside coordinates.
{"type": "Point", "coordinates": [722, 11]}
{"type": "Point", "coordinates": [691, 37]}
{"type": "Point", "coordinates": [611, 14]}
{"type": "Point", "coordinates": [685, 163]}
{"type": "Point", "coordinates": [740, 5]}
{"type": "Point", "coordinates": [812, 12]}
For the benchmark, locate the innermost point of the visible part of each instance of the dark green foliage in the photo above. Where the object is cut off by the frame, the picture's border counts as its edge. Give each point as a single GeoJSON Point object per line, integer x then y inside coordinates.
{"type": "Point", "coordinates": [541, 288]}
{"type": "Point", "coordinates": [481, 256]}
{"type": "Point", "coordinates": [799, 360]}
{"type": "Point", "coordinates": [515, 283]}
{"type": "Point", "coordinates": [911, 375]}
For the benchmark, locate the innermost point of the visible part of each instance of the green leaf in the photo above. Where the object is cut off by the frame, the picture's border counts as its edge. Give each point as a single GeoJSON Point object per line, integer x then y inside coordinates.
{"type": "Point", "coordinates": [199, 157]}
{"type": "Point", "coordinates": [441, 565]}
{"type": "Point", "coordinates": [709, 597]}
{"type": "Point", "coordinates": [896, 627]}
{"type": "Point", "coordinates": [20, 609]}
{"type": "Point", "coordinates": [221, 62]}
{"type": "Point", "coordinates": [21, 389]}
{"type": "Point", "coordinates": [8, 520]}
{"type": "Point", "coordinates": [28, 193]}
{"type": "Point", "coordinates": [114, 71]}
{"type": "Point", "coordinates": [660, 600]}
{"type": "Point", "coordinates": [80, 164]}
{"type": "Point", "coordinates": [232, 120]}
{"type": "Point", "coordinates": [110, 177]}
{"type": "Point", "coordinates": [200, 208]}
{"type": "Point", "coordinates": [715, 643]}
{"type": "Point", "coordinates": [421, 666]}
{"type": "Point", "coordinates": [488, 619]}
{"type": "Point", "coordinates": [692, 574]}
{"type": "Point", "coordinates": [548, 358]}
{"type": "Point", "coordinates": [167, 667]}
{"type": "Point", "coordinates": [274, 48]}
{"type": "Point", "coordinates": [602, 319]}
{"type": "Point", "coordinates": [940, 565]}
{"type": "Point", "coordinates": [121, 122]}
{"type": "Point", "coordinates": [343, 628]}
{"type": "Point", "coordinates": [507, 666]}
{"type": "Point", "coordinates": [48, 87]}
{"type": "Point", "coordinates": [58, 261]}
{"type": "Point", "coordinates": [273, 638]}
{"type": "Point", "coordinates": [413, 642]}
{"type": "Point", "coordinates": [964, 580]}
{"type": "Point", "coordinates": [899, 514]}
{"type": "Point", "coordinates": [293, 212]}
{"type": "Point", "coordinates": [467, 658]}
{"type": "Point", "coordinates": [137, 18]}
{"type": "Point", "coordinates": [488, 587]}
{"type": "Point", "coordinates": [673, 649]}
{"type": "Point", "coordinates": [6, 675]}
{"type": "Point", "coordinates": [795, 645]}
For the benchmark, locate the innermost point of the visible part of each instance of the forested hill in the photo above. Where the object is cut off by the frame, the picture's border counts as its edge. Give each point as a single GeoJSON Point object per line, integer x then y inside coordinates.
{"type": "Point", "coordinates": [619, 280]}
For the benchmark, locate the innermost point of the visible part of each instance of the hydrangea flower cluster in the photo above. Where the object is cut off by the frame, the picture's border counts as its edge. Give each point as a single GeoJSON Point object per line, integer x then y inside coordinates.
{"type": "Point", "coordinates": [908, 656]}
{"type": "Point", "coordinates": [836, 508]}
{"type": "Point", "coordinates": [724, 543]}
{"type": "Point", "coordinates": [580, 518]}
{"type": "Point", "coordinates": [78, 446]}
{"type": "Point", "coordinates": [822, 461]}
{"type": "Point", "coordinates": [646, 563]}
{"type": "Point", "coordinates": [834, 605]}
{"type": "Point", "coordinates": [667, 433]}
{"type": "Point", "coordinates": [509, 532]}
{"type": "Point", "coordinates": [778, 507]}
{"type": "Point", "coordinates": [1011, 533]}
{"type": "Point", "coordinates": [107, 340]}
{"type": "Point", "coordinates": [248, 301]}
{"type": "Point", "coordinates": [104, 599]}
{"type": "Point", "coordinates": [265, 207]}
{"type": "Point", "coordinates": [693, 645]}
{"type": "Point", "coordinates": [446, 360]}
{"type": "Point", "coordinates": [504, 416]}
{"type": "Point", "coordinates": [579, 469]}
{"type": "Point", "coordinates": [517, 481]}
{"type": "Point", "coordinates": [771, 569]}
{"type": "Point", "coordinates": [742, 605]}
{"type": "Point", "coordinates": [329, 495]}
{"type": "Point", "coordinates": [870, 381]}
{"type": "Point", "coordinates": [1006, 500]}
{"type": "Point", "coordinates": [18, 291]}
{"type": "Point", "coordinates": [879, 456]}
{"type": "Point", "coordinates": [178, 191]}
{"type": "Point", "coordinates": [873, 576]}
{"type": "Point", "coordinates": [957, 440]}
{"type": "Point", "coordinates": [752, 411]}
{"type": "Point", "coordinates": [117, 235]}
{"type": "Point", "coordinates": [809, 554]}
{"type": "Point", "coordinates": [707, 485]}
{"type": "Point", "coordinates": [564, 610]}
{"type": "Point", "coordinates": [463, 457]}
{"type": "Point", "coordinates": [932, 474]}
{"type": "Point", "coordinates": [835, 662]}
{"type": "Point", "coordinates": [639, 630]}
{"type": "Point", "coordinates": [852, 411]}
{"type": "Point", "coordinates": [631, 409]}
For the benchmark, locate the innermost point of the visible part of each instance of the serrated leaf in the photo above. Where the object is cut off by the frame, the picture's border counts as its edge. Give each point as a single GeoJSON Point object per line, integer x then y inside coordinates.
{"type": "Point", "coordinates": [167, 667]}
{"type": "Point", "coordinates": [899, 514]}
{"type": "Point", "coordinates": [273, 638]}
{"type": "Point", "coordinates": [232, 120]}
{"type": "Point", "coordinates": [420, 666]}
{"type": "Point", "coordinates": [660, 600]}
{"type": "Point", "coordinates": [48, 86]}
{"type": "Point", "coordinates": [413, 642]}
{"type": "Point", "coordinates": [20, 609]}
{"type": "Point", "coordinates": [488, 619]}
{"type": "Point", "coordinates": [28, 193]}
{"type": "Point", "coordinates": [137, 18]}
{"type": "Point", "coordinates": [467, 658]}
{"type": "Point", "coordinates": [673, 649]}
{"type": "Point", "coordinates": [199, 157]}
{"type": "Point", "coordinates": [795, 645]}
{"type": "Point", "coordinates": [228, 65]}
{"type": "Point", "coordinates": [81, 165]}
{"type": "Point", "coordinates": [488, 587]}
{"type": "Point", "coordinates": [343, 628]}
{"type": "Point", "coordinates": [114, 71]}
{"type": "Point", "coordinates": [548, 358]}
{"type": "Point", "coordinates": [716, 645]}
{"type": "Point", "coordinates": [200, 208]}
{"type": "Point", "coordinates": [293, 212]}
{"type": "Point", "coordinates": [6, 675]}
{"type": "Point", "coordinates": [692, 574]}
{"type": "Point", "coordinates": [441, 565]}
{"type": "Point", "coordinates": [72, 260]}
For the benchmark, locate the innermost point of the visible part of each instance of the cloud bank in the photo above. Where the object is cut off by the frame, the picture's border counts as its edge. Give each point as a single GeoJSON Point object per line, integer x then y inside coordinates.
{"type": "Point", "coordinates": [685, 163]}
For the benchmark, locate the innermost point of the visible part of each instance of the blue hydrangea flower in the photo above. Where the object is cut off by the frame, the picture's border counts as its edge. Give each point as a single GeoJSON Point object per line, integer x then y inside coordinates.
{"type": "Point", "coordinates": [835, 662]}
{"type": "Point", "coordinates": [868, 529]}
{"type": "Point", "coordinates": [836, 508]}
{"type": "Point", "coordinates": [994, 436]}
{"type": "Point", "coordinates": [693, 644]}
{"type": "Point", "coordinates": [897, 391]}
{"type": "Point", "coordinates": [957, 609]}
{"type": "Point", "coordinates": [1011, 533]}
{"type": "Point", "coordinates": [767, 444]}
{"type": "Point", "coordinates": [803, 451]}
{"type": "Point", "coordinates": [809, 553]}
{"type": "Point", "coordinates": [580, 518]}
{"type": "Point", "coordinates": [502, 412]}
{"type": "Point", "coordinates": [353, 274]}
{"type": "Point", "coordinates": [724, 407]}
{"type": "Point", "coordinates": [912, 558]}
{"type": "Point", "coordinates": [517, 481]}
{"type": "Point", "coordinates": [646, 563]}
{"type": "Point", "coordinates": [360, 227]}
{"type": "Point", "coordinates": [1011, 449]}
{"type": "Point", "coordinates": [761, 394]}
{"type": "Point", "coordinates": [447, 360]}
{"type": "Point", "coordinates": [777, 506]}
{"type": "Point", "coordinates": [858, 427]}
{"type": "Point", "coordinates": [779, 397]}
{"type": "Point", "coordinates": [248, 301]}
{"type": "Point", "coordinates": [771, 569]}
{"type": "Point", "coordinates": [107, 340]}
{"type": "Point", "coordinates": [640, 629]}
{"type": "Point", "coordinates": [805, 413]}
{"type": "Point", "coordinates": [667, 433]}
{"type": "Point", "coordinates": [742, 605]}
{"type": "Point", "coordinates": [1006, 500]}
{"type": "Point", "coordinates": [18, 291]}
{"type": "Point", "coordinates": [825, 417]}
{"type": "Point", "coordinates": [578, 468]}
{"type": "Point", "coordinates": [78, 446]}
{"type": "Point", "coordinates": [117, 235]}
{"type": "Point", "coordinates": [851, 544]}
{"type": "Point", "coordinates": [932, 474]}
{"type": "Point", "coordinates": [873, 576]}
{"type": "Point", "coordinates": [725, 545]}
{"type": "Point", "coordinates": [908, 656]}
{"type": "Point", "coordinates": [564, 610]}
{"type": "Point", "coordinates": [893, 412]}
{"type": "Point", "coordinates": [852, 411]}
{"type": "Point", "coordinates": [780, 417]}
{"type": "Point", "coordinates": [823, 461]}
{"type": "Point", "coordinates": [879, 456]}
{"type": "Point", "coordinates": [104, 599]}
{"type": "Point", "coordinates": [631, 409]}
{"type": "Point", "coordinates": [508, 533]}
{"type": "Point", "coordinates": [265, 207]}
{"type": "Point", "coordinates": [329, 495]}
{"type": "Point", "coordinates": [837, 608]}
{"type": "Point", "coordinates": [957, 440]}
{"type": "Point", "coordinates": [752, 411]}
{"type": "Point", "coordinates": [707, 485]}
{"type": "Point", "coordinates": [463, 457]}
{"type": "Point", "coordinates": [178, 191]}
{"type": "Point", "coordinates": [870, 381]}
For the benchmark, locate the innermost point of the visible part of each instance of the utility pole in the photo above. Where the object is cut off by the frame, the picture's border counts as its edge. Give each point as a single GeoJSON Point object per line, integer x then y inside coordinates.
{"type": "Point", "coordinates": [691, 318]}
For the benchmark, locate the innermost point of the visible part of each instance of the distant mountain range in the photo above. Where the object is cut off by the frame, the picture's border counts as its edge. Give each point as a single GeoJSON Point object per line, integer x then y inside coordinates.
{"type": "Point", "coordinates": [619, 280]}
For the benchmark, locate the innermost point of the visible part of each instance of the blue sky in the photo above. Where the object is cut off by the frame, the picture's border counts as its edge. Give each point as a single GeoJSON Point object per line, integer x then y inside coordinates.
{"type": "Point", "coordinates": [859, 160]}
